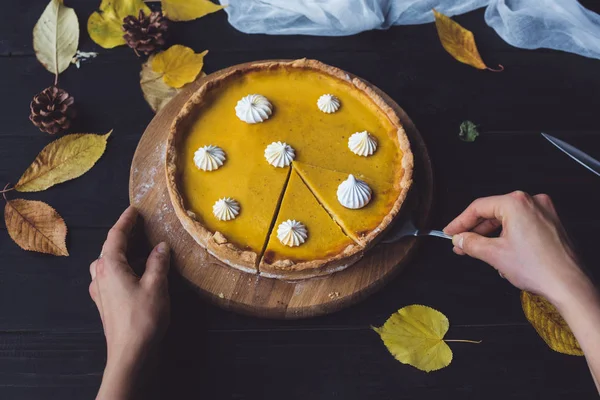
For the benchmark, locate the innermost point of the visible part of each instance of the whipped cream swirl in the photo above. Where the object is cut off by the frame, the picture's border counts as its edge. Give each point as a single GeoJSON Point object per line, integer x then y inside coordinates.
{"type": "Point", "coordinates": [226, 209]}
{"type": "Point", "coordinates": [362, 143]}
{"type": "Point", "coordinates": [328, 103]}
{"type": "Point", "coordinates": [209, 158]}
{"type": "Point", "coordinates": [292, 233]}
{"type": "Point", "coordinates": [254, 108]}
{"type": "Point", "coordinates": [279, 154]}
{"type": "Point", "coordinates": [354, 193]}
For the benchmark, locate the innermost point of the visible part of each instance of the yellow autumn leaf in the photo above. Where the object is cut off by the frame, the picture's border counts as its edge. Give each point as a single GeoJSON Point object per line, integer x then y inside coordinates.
{"type": "Point", "coordinates": [178, 65]}
{"type": "Point", "coordinates": [35, 226]}
{"type": "Point", "coordinates": [459, 42]}
{"type": "Point", "coordinates": [156, 92]}
{"type": "Point", "coordinates": [187, 10]}
{"type": "Point", "coordinates": [105, 25]}
{"type": "Point", "coordinates": [415, 336]}
{"type": "Point", "coordinates": [549, 324]}
{"type": "Point", "coordinates": [64, 159]}
{"type": "Point", "coordinates": [56, 37]}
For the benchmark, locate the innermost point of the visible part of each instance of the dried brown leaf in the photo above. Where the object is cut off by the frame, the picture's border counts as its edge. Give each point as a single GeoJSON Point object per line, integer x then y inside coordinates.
{"type": "Point", "coordinates": [35, 226]}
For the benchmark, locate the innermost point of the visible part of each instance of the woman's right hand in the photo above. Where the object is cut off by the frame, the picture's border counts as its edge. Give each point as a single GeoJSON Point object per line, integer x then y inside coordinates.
{"type": "Point", "coordinates": [534, 254]}
{"type": "Point", "coordinates": [532, 251]}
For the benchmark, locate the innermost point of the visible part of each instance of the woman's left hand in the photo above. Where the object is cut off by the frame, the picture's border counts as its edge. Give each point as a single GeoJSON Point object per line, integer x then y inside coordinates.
{"type": "Point", "coordinates": [134, 311]}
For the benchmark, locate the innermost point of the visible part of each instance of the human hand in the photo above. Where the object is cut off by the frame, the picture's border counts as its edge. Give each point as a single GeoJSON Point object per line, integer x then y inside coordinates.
{"type": "Point", "coordinates": [532, 251]}
{"type": "Point", "coordinates": [134, 311]}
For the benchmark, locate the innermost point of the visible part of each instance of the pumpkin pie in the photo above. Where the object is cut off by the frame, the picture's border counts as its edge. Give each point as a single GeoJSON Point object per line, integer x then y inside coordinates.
{"type": "Point", "coordinates": [312, 110]}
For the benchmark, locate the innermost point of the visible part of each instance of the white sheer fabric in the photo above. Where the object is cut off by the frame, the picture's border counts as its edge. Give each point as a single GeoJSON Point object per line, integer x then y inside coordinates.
{"type": "Point", "coordinates": [531, 24]}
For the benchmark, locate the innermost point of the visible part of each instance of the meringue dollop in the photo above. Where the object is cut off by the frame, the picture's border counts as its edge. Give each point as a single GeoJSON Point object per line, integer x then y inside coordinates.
{"type": "Point", "coordinates": [354, 193]}
{"type": "Point", "coordinates": [254, 108]}
{"type": "Point", "coordinates": [328, 103]}
{"type": "Point", "coordinates": [279, 154]}
{"type": "Point", "coordinates": [362, 143]}
{"type": "Point", "coordinates": [209, 158]}
{"type": "Point", "coordinates": [292, 233]}
{"type": "Point", "coordinates": [226, 209]}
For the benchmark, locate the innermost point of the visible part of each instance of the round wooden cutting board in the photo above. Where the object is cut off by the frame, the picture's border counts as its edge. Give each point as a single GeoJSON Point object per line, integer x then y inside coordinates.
{"type": "Point", "coordinates": [252, 294]}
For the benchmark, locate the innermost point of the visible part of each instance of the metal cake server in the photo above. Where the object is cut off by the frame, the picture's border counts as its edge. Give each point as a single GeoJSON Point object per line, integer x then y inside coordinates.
{"type": "Point", "coordinates": [405, 225]}
{"type": "Point", "coordinates": [582, 158]}
{"type": "Point", "coordinates": [408, 228]}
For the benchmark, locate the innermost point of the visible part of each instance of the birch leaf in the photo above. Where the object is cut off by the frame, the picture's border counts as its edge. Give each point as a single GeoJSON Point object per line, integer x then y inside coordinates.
{"type": "Point", "coordinates": [64, 159]}
{"type": "Point", "coordinates": [56, 36]}
{"type": "Point", "coordinates": [414, 335]}
{"type": "Point", "coordinates": [459, 42]}
{"type": "Point", "coordinates": [549, 324]}
{"type": "Point", "coordinates": [187, 10]}
{"type": "Point", "coordinates": [156, 92]}
{"type": "Point", "coordinates": [35, 226]}
{"type": "Point", "coordinates": [105, 26]}
{"type": "Point", "coordinates": [178, 65]}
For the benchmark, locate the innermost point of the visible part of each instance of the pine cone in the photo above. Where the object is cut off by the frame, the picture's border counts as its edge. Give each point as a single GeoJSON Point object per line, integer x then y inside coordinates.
{"type": "Point", "coordinates": [52, 110]}
{"type": "Point", "coordinates": [145, 34]}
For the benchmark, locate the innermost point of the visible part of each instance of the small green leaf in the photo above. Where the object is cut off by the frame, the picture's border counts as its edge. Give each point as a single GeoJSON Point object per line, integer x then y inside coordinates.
{"type": "Point", "coordinates": [468, 131]}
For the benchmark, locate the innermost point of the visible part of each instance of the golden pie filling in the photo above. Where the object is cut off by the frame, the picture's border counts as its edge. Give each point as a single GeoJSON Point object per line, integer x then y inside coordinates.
{"type": "Point", "coordinates": [325, 238]}
{"type": "Point", "coordinates": [306, 190]}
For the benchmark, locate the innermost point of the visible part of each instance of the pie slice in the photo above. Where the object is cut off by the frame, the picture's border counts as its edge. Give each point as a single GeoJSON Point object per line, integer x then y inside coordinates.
{"type": "Point", "coordinates": [360, 224]}
{"type": "Point", "coordinates": [326, 248]}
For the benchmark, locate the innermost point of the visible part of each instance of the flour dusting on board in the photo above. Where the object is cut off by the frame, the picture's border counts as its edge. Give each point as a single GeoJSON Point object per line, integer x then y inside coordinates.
{"type": "Point", "coordinates": [298, 289]}
{"type": "Point", "coordinates": [147, 177]}
{"type": "Point", "coordinates": [164, 208]}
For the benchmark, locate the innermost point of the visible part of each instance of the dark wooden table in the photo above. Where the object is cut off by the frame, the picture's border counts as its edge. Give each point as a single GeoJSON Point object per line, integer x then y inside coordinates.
{"type": "Point", "coordinates": [51, 340]}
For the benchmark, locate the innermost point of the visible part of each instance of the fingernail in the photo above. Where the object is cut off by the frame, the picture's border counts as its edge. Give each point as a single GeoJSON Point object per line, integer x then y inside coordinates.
{"type": "Point", "coordinates": [458, 241]}
{"type": "Point", "coordinates": [163, 248]}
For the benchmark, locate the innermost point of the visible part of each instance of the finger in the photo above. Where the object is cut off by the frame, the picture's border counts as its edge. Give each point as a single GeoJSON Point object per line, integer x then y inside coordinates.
{"type": "Point", "coordinates": [458, 251]}
{"type": "Point", "coordinates": [115, 245]}
{"type": "Point", "coordinates": [477, 246]}
{"type": "Point", "coordinates": [95, 295]}
{"type": "Point", "coordinates": [487, 227]}
{"type": "Point", "coordinates": [479, 210]}
{"type": "Point", "coordinates": [484, 208]}
{"type": "Point", "coordinates": [157, 265]}
{"type": "Point", "coordinates": [93, 266]}
{"type": "Point", "coordinates": [545, 202]}
{"type": "Point", "coordinates": [93, 292]}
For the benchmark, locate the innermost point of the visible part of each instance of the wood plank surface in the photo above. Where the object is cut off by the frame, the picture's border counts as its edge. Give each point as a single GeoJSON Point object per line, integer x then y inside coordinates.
{"type": "Point", "coordinates": [51, 342]}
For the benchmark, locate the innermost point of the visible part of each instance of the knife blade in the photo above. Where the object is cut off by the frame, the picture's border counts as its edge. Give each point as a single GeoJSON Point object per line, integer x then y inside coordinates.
{"type": "Point", "coordinates": [582, 158]}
